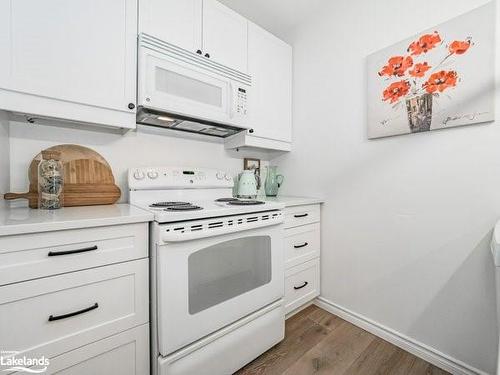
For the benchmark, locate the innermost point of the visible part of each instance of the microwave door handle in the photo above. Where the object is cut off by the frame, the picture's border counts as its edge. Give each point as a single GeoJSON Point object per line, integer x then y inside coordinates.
{"type": "Point", "coordinates": [231, 100]}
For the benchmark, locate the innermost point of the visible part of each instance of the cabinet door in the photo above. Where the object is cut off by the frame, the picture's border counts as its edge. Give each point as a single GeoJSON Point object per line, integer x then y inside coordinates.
{"type": "Point", "coordinates": [225, 36]}
{"type": "Point", "coordinates": [80, 51]}
{"type": "Point", "coordinates": [270, 65]}
{"type": "Point", "coordinates": [5, 61]}
{"type": "Point", "coordinates": [175, 21]}
{"type": "Point", "coordinates": [126, 353]}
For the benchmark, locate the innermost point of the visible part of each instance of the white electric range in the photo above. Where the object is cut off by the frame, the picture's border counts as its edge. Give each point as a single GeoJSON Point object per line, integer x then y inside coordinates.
{"type": "Point", "coordinates": [216, 270]}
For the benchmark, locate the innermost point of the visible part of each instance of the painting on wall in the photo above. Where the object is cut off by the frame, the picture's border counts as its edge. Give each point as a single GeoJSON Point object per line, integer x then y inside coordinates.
{"type": "Point", "coordinates": [441, 78]}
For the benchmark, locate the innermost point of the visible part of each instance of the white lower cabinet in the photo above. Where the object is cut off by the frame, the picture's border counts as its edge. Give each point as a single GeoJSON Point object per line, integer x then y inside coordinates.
{"type": "Point", "coordinates": [302, 255]}
{"type": "Point", "coordinates": [302, 244]}
{"type": "Point", "coordinates": [123, 354]}
{"type": "Point", "coordinates": [301, 284]}
{"type": "Point", "coordinates": [92, 320]}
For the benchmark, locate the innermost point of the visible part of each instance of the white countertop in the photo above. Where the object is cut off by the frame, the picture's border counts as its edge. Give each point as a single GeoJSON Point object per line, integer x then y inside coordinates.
{"type": "Point", "coordinates": [22, 220]}
{"type": "Point", "coordinates": [293, 201]}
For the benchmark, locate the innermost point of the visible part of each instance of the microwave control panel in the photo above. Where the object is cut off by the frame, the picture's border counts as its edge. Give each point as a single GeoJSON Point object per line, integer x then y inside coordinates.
{"type": "Point", "coordinates": [241, 101]}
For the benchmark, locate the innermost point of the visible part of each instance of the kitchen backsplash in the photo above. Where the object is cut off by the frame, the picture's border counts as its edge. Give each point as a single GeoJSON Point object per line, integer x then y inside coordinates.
{"type": "Point", "coordinates": [146, 147]}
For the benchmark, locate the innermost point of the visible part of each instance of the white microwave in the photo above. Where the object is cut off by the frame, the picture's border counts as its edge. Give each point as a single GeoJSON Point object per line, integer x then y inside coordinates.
{"type": "Point", "coordinates": [182, 90]}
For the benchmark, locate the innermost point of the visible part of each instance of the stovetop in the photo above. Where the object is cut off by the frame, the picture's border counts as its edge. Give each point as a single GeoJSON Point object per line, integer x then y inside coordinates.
{"type": "Point", "coordinates": [179, 194]}
{"type": "Point", "coordinates": [170, 212]}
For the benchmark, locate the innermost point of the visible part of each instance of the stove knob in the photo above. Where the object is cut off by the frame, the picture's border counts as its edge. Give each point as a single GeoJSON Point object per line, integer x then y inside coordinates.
{"type": "Point", "coordinates": [139, 175]}
{"type": "Point", "coordinates": [228, 177]}
{"type": "Point", "coordinates": [153, 175]}
{"type": "Point", "coordinates": [220, 176]}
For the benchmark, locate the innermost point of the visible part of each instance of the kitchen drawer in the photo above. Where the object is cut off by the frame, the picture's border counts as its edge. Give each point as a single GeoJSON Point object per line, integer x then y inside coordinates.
{"type": "Point", "coordinates": [301, 284]}
{"type": "Point", "coordinates": [38, 255]}
{"type": "Point", "coordinates": [54, 315]}
{"type": "Point", "coordinates": [302, 244]}
{"type": "Point", "coordinates": [126, 353]}
{"type": "Point", "coordinates": [301, 215]}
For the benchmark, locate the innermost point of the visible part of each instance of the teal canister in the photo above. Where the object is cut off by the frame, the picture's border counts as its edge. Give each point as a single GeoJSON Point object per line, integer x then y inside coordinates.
{"type": "Point", "coordinates": [273, 181]}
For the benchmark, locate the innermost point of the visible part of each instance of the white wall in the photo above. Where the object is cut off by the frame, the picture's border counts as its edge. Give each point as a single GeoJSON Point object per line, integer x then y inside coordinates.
{"type": "Point", "coordinates": [147, 147]}
{"type": "Point", "coordinates": [407, 220]}
{"type": "Point", "coordinates": [4, 154]}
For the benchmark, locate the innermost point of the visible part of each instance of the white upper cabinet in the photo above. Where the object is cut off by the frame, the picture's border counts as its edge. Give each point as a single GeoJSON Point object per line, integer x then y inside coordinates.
{"type": "Point", "coordinates": [205, 27]}
{"type": "Point", "coordinates": [225, 36]}
{"type": "Point", "coordinates": [73, 60]}
{"type": "Point", "coordinates": [175, 21]}
{"type": "Point", "coordinates": [270, 65]}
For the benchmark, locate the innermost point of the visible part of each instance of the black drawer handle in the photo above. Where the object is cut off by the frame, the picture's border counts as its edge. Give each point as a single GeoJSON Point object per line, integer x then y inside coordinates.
{"type": "Point", "coordinates": [69, 315]}
{"type": "Point", "coordinates": [303, 215]}
{"type": "Point", "coordinates": [299, 246]}
{"type": "Point", "coordinates": [68, 252]}
{"type": "Point", "coordinates": [302, 286]}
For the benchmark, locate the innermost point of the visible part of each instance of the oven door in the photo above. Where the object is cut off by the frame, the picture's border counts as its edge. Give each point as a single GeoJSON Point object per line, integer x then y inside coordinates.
{"type": "Point", "coordinates": [206, 284]}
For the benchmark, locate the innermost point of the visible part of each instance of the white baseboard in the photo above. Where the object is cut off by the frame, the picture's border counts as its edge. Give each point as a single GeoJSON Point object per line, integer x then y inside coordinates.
{"type": "Point", "coordinates": [412, 346]}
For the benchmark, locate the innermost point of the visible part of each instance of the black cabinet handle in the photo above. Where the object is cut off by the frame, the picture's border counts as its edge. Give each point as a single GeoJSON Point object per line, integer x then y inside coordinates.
{"type": "Point", "coordinates": [131, 105]}
{"type": "Point", "coordinates": [68, 252]}
{"type": "Point", "coordinates": [302, 286]}
{"type": "Point", "coordinates": [299, 246]}
{"type": "Point", "coordinates": [69, 315]}
{"type": "Point", "coordinates": [199, 52]}
{"type": "Point", "coordinates": [251, 131]}
{"type": "Point", "coordinates": [303, 215]}
{"type": "Point", "coordinates": [207, 55]}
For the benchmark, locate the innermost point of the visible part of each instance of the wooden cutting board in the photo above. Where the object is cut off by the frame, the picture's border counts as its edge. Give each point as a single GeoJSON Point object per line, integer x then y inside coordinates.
{"type": "Point", "coordinates": [76, 195]}
{"type": "Point", "coordinates": [76, 170]}
{"type": "Point", "coordinates": [88, 178]}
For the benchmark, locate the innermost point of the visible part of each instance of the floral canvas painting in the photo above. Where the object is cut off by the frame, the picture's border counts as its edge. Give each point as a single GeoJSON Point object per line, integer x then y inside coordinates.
{"type": "Point", "coordinates": [441, 78]}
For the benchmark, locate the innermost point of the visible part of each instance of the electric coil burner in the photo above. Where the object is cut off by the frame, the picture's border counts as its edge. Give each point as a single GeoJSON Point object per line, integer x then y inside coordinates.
{"type": "Point", "coordinates": [169, 204]}
{"type": "Point", "coordinates": [185, 207]}
{"type": "Point", "coordinates": [245, 203]}
{"type": "Point", "coordinates": [226, 200]}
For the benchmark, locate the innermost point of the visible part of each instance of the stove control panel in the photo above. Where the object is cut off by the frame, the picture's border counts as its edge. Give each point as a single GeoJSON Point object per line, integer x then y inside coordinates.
{"type": "Point", "coordinates": [154, 178]}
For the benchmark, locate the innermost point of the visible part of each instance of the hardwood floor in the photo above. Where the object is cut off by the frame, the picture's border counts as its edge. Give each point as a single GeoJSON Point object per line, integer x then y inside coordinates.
{"type": "Point", "coordinates": [318, 342]}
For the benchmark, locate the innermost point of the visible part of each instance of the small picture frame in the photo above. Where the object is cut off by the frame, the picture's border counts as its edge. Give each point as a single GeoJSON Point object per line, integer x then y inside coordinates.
{"type": "Point", "coordinates": [251, 164]}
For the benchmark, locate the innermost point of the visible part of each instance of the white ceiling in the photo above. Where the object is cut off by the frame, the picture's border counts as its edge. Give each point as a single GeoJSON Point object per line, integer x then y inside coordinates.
{"type": "Point", "coordinates": [280, 17]}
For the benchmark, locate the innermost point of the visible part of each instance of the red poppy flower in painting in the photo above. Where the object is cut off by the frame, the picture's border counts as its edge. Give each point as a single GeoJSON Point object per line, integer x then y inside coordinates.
{"type": "Point", "coordinates": [424, 43]}
{"type": "Point", "coordinates": [419, 70]}
{"type": "Point", "coordinates": [396, 66]}
{"type": "Point", "coordinates": [459, 47]}
{"type": "Point", "coordinates": [396, 90]}
{"type": "Point", "coordinates": [441, 81]}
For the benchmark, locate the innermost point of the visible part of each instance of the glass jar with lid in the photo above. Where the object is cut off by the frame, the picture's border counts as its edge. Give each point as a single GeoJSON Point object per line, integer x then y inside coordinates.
{"type": "Point", "coordinates": [50, 181]}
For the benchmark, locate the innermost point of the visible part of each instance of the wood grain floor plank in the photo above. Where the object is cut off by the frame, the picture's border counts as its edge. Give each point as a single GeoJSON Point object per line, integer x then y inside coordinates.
{"type": "Point", "coordinates": [433, 370]}
{"type": "Point", "coordinates": [335, 354]}
{"type": "Point", "coordinates": [402, 363]}
{"type": "Point", "coordinates": [295, 320]}
{"type": "Point", "coordinates": [327, 320]}
{"type": "Point", "coordinates": [375, 359]}
{"type": "Point", "coordinates": [419, 367]}
{"type": "Point", "coordinates": [298, 340]}
{"type": "Point", "coordinates": [318, 342]}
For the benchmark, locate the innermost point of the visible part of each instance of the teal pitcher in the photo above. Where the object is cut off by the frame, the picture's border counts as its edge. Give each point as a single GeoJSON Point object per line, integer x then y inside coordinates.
{"type": "Point", "coordinates": [273, 182]}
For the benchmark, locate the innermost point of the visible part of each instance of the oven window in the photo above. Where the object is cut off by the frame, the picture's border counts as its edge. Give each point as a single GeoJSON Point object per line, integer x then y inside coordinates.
{"type": "Point", "coordinates": [227, 270]}
{"type": "Point", "coordinates": [186, 87]}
